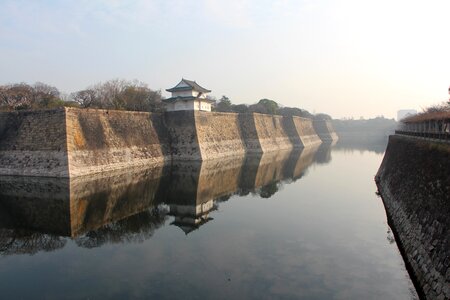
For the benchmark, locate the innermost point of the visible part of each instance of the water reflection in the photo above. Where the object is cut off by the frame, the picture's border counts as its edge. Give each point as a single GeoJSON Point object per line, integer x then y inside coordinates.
{"type": "Point", "coordinates": [39, 214]}
{"type": "Point", "coordinates": [322, 237]}
{"type": "Point", "coordinates": [376, 144]}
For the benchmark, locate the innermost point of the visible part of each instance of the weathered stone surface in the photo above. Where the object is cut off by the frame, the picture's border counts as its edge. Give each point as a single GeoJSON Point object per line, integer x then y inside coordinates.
{"type": "Point", "coordinates": [72, 142]}
{"type": "Point", "coordinates": [306, 132]}
{"type": "Point", "coordinates": [325, 130]}
{"type": "Point", "coordinates": [33, 143]}
{"type": "Point", "coordinates": [103, 140]}
{"type": "Point", "coordinates": [218, 134]}
{"type": "Point", "coordinates": [414, 183]}
{"type": "Point", "coordinates": [271, 133]}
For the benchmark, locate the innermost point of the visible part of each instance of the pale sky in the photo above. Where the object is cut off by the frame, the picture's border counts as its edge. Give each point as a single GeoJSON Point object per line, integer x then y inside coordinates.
{"type": "Point", "coordinates": [341, 57]}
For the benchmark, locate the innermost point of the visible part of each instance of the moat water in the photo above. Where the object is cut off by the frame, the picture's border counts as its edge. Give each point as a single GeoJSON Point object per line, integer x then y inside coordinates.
{"type": "Point", "coordinates": [290, 225]}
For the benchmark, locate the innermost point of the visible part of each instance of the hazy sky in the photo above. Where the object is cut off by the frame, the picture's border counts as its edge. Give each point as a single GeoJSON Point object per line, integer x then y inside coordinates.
{"type": "Point", "coordinates": [342, 57]}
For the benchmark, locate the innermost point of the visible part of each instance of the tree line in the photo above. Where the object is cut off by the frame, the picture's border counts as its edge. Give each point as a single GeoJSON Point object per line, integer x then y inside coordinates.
{"type": "Point", "coordinates": [113, 94]}
{"type": "Point", "coordinates": [265, 106]}
{"type": "Point", "coordinates": [119, 94]}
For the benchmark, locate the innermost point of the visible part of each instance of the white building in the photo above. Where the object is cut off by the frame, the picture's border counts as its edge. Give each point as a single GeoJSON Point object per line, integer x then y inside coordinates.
{"type": "Point", "coordinates": [188, 95]}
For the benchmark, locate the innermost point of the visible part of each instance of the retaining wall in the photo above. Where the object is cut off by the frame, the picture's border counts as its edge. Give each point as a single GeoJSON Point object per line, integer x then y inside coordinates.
{"type": "Point", "coordinates": [305, 131]}
{"type": "Point", "coordinates": [414, 183]}
{"type": "Point", "coordinates": [272, 133]}
{"type": "Point", "coordinates": [325, 131]}
{"type": "Point", "coordinates": [182, 135]}
{"type": "Point", "coordinates": [33, 143]}
{"type": "Point", "coordinates": [218, 134]}
{"type": "Point", "coordinates": [103, 140]}
{"type": "Point", "coordinates": [71, 142]}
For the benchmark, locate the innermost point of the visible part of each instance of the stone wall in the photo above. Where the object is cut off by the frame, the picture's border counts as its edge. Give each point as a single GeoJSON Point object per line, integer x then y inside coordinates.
{"type": "Point", "coordinates": [182, 135]}
{"type": "Point", "coordinates": [33, 143]}
{"type": "Point", "coordinates": [36, 203]}
{"type": "Point", "coordinates": [324, 130]}
{"type": "Point", "coordinates": [72, 142]}
{"type": "Point", "coordinates": [306, 132]}
{"type": "Point", "coordinates": [204, 135]}
{"type": "Point", "coordinates": [104, 140]}
{"type": "Point", "coordinates": [249, 133]}
{"type": "Point", "coordinates": [271, 133]}
{"type": "Point", "coordinates": [219, 134]}
{"type": "Point", "coordinates": [414, 183]}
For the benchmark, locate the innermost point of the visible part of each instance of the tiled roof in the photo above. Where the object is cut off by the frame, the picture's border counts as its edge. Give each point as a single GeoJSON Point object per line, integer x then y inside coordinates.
{"type": "Point", "coordinates": [192, 85]}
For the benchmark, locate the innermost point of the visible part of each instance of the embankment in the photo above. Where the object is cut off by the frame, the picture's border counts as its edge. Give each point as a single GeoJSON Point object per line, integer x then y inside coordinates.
{"type": "Point", "coordinates": [414, 183]}
{"type": "Point", "coordinates": [33, 143]}
{"type": "Point", "coordinates": [306, 132]}
{"type": "Point", "coordinates": [218, 134]}
{"type": "Point", "coordinates": [325, 131]}
{"type": "Point", "coordinates": [102, 140]}
{"type": "Point", "coordinates": [70, 142]}
{"type": "Point", "coordinates": [209, 135]}
{"type": "Point", "coordinates": [271, 132]}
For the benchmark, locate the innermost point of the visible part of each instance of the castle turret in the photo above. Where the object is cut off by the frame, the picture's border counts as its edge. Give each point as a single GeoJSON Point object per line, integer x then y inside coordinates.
{"type": "Point", "coordinates": [188, 95]}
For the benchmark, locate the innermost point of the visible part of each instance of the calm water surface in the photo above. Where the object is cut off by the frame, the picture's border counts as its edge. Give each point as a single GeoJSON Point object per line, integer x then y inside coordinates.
{"type": "Point", "coordinates": [292, 225]}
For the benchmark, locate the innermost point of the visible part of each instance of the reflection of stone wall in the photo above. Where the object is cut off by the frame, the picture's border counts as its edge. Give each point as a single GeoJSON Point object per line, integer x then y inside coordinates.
{"type": "Point", "coordinates": [99, 201]}
{"type": "Point", "coordinates": [323, 153]}
{"type": "Point", "coordinates": [71, 207]}
{"type": "Point", "coordinates": [197, 182]}
{"type": "Point", "coordinates": [270, 168]}
{"type": "Point", "coordinates": [36, 203]}
{"type": "Point", "coordinates": [106, 206]}
{"type": "Point", "coordinates": [219, 177]}
{"type": "Point", "coordinates": [414, 183]}
{"type": "Point", "coordinates": [299, 161]}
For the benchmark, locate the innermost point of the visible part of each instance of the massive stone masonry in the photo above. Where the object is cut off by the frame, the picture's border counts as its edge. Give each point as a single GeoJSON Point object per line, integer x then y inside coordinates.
{"type": "Point", "coordinates": [414, 183]}
{"type": "Point", "coordinates": [69, 142]}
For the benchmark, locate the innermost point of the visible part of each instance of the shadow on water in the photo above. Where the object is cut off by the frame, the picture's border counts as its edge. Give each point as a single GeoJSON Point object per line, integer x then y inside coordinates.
{"type": "Point", "coordinates": [41, 214]}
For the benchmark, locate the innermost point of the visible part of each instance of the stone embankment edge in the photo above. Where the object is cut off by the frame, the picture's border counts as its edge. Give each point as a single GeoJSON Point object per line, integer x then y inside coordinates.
{"type": "Point", "coordinates": [418, 218]}
{"type": "Point", "coordinates": [92, 135]}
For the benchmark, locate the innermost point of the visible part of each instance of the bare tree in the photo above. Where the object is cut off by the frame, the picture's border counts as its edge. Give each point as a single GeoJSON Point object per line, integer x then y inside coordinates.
{"type": "Point", "coordinates": [86, 98]}
{"type": "Point", "coordinates": [16, 96]}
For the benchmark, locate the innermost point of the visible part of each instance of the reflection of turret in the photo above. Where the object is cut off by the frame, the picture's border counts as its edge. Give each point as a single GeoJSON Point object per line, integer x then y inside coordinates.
{"type": "Point", "coordinates": [192, 187]}
{"type": "Point", "coordinates": [190, 217]}
{"type": "Point", "coordinates": [36, 212]}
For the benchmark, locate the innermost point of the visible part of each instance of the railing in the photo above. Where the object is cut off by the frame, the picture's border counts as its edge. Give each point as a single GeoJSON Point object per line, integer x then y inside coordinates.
{"type": "Point", "coordinates": [432, 135]}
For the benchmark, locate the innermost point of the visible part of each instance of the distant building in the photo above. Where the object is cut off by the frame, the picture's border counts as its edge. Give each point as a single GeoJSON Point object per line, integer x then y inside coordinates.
{"type": "Point", "coordinates": [188, 95]}
{"type": "Point", "coordinates": [403, 113]}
